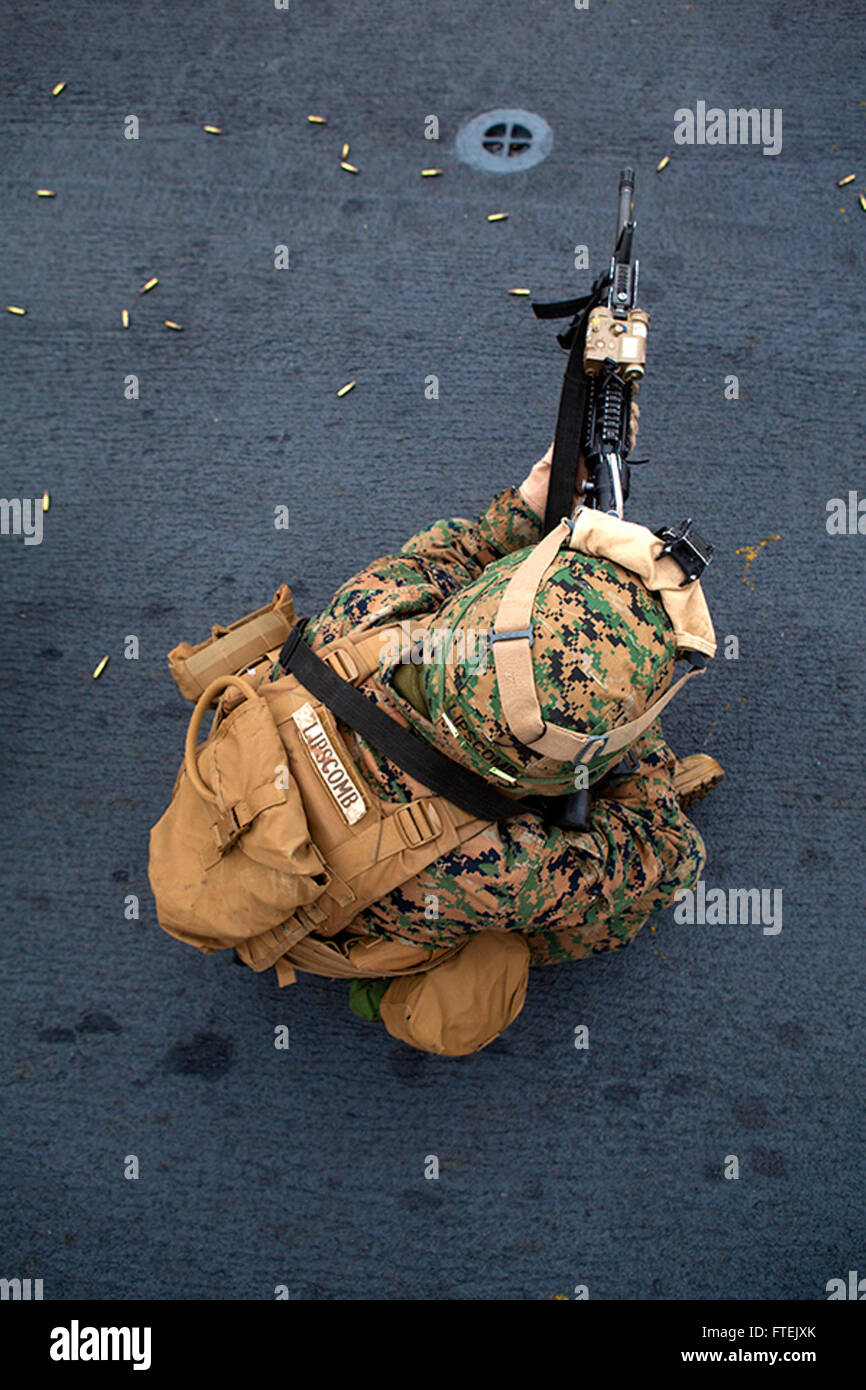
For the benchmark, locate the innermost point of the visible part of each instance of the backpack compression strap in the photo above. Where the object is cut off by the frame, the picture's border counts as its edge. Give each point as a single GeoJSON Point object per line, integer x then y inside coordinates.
{"type": "Point", "coordinates": [459, 784]}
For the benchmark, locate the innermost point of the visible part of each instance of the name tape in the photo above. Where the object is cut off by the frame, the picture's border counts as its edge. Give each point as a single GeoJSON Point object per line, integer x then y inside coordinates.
{"type": "Point", "coordinates": [329, 765]}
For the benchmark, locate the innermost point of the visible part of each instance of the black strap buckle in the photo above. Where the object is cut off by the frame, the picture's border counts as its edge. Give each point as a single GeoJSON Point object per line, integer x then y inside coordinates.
{"type": "Point", "coordinates": [691, 552]}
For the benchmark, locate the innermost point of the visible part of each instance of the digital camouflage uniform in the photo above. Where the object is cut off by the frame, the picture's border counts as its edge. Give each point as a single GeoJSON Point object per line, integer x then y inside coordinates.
{"type": "Point", "coordinates": [570, 893]}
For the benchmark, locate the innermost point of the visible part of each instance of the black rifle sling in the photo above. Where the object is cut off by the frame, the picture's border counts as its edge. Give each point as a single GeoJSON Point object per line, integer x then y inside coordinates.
{"type": "Point", "coordinates": [567, 440]}
{"type": "Point", "coordinates": [459, 784]}
{"type": "Point", "coordinates": [569, 420]}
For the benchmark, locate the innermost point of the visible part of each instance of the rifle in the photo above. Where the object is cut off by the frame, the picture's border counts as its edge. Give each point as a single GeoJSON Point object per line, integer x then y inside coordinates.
{"type": "Point", "coordinates": [606, 345]}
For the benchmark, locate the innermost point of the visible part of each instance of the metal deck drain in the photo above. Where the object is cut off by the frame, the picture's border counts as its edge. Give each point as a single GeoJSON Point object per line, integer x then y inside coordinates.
{"type": "Point", "coordinates": [504, 141]}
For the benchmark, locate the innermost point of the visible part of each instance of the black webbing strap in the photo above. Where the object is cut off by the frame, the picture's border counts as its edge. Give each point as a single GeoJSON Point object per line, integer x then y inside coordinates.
{"type": "Point", "coordinates": [569, 419]}
{"type": "Point", "coordinates": [567, 440]}
{"type": "Point", "coordinates": [459, 784]}
{"type": "Point", "coordinates": [561, 309]}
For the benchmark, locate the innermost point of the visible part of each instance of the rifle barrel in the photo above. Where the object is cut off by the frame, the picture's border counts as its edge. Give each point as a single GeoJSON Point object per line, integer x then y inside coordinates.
{"type": "Point", "coordinates": [626, 197]}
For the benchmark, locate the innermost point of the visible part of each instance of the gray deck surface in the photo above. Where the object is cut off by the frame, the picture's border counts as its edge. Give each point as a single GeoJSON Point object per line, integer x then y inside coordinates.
{"type": "Point", "coordinates": [306, 1168]}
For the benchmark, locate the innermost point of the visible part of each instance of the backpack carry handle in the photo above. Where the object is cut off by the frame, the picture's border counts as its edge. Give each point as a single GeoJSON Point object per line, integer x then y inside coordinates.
{"type": "Point", "coordinates": [203, 703]}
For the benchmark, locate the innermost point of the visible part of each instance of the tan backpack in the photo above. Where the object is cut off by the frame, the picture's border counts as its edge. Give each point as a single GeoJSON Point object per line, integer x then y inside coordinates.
{"type": "Point", "coordinates": [273, 842]}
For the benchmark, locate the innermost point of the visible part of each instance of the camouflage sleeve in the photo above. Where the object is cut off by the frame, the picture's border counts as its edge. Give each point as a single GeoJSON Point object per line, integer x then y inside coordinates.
{"type": "Point", "coordinates": [572, 894]}
{"type": "Point", "coordinates": [647, 849]}
{"type": "Point", "coordinates": [462, 549]}
{"type": "Point", "coordinates": [431, 567]}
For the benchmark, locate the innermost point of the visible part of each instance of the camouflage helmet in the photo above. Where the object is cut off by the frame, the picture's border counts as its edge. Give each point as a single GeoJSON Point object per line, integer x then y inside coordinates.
{"type": "Point", "coordinates": [603, 651]}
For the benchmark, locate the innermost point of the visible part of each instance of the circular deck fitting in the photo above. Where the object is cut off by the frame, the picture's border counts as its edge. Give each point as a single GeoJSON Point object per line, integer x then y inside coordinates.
{"type": "Point", "coordinates": [504, 141]}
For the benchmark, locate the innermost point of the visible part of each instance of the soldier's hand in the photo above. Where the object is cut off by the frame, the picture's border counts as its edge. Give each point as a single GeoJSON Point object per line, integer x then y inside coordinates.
{"type": "Point", "coordinates": [534, 487]}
